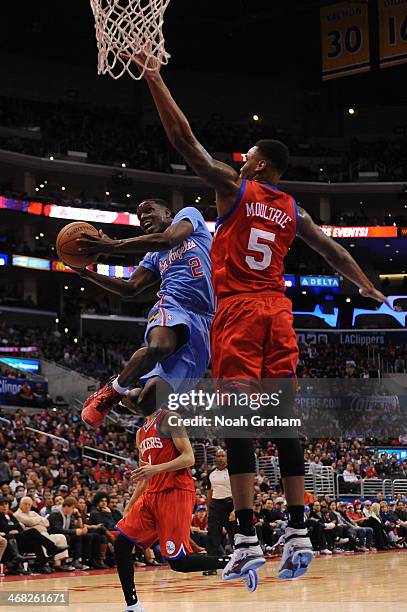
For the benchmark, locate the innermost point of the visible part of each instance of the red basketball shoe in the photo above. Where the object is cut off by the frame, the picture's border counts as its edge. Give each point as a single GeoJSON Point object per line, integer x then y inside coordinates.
{"type": "Point", "coordinates": [97, 406]}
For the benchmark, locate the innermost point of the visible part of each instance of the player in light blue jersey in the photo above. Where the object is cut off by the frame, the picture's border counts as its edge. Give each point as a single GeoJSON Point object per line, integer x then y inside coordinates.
{"type": "Point", "coordinates": [177, 350]}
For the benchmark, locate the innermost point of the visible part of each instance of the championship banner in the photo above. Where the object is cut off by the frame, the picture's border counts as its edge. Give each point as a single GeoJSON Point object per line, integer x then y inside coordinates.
{"type": "Point", "coordinates": [344, 39]}
{"type": "Point", "coordinates": [393, 32]}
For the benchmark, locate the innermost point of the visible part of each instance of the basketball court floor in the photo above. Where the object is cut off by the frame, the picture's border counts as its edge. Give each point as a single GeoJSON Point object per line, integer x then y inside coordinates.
{"type": "Point", "coordinates": [351, 583]}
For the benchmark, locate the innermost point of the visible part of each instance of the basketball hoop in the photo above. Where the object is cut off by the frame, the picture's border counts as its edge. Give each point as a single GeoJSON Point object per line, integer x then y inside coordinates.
{"type": "Point", "coordinates": [124, 28]}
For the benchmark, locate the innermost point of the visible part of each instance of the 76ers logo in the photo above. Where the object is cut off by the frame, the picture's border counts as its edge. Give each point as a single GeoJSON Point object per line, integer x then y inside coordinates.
{"type": "Point", "coordinates": [170, 546]}
{"type": "Point", "coordinates": [149, 443]}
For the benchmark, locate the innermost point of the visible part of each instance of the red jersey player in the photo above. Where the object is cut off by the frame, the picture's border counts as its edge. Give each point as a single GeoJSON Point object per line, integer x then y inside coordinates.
{"type": "Point", "coordinates": [252, 334]}
{"type": "Point", "coordinates": [162, 504]}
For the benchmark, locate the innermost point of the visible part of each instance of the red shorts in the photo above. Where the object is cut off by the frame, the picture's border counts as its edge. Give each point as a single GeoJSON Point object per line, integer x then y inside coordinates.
{"type": "Point", "coordinates": [253, 337]}
{"type": "Point", "coordinates": [165, 516]}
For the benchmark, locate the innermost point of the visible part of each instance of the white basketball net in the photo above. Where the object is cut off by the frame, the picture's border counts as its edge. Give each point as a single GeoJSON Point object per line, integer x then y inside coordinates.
{"type": "Point", "coordinates": [124, 28]}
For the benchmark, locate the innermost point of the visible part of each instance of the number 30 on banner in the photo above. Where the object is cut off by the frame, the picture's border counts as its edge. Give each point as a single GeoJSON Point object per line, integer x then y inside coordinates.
{"type": "Point", "coordinates": [344, 39]}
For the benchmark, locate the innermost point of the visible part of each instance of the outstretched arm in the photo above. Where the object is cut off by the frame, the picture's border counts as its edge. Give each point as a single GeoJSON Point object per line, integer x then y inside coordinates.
{"type": "Point", "coordinates": [102, 244]}
{"type": "Point", "coordinates": [337, 257]}
{"type": "Point", "coordinates": [141, 284]}
{"type": "Point", "coordinates": [220, 176]}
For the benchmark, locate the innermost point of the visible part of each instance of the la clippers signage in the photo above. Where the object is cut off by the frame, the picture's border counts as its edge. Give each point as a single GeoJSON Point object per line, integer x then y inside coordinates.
{"type": "Point", "coordinates": [351, 337]}
{"type": "Point", "coordinates": [10, 387]}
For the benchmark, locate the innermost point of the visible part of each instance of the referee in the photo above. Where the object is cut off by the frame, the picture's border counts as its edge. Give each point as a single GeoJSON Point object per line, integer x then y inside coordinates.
{"type": "Point", "coordinates": [220, 505]}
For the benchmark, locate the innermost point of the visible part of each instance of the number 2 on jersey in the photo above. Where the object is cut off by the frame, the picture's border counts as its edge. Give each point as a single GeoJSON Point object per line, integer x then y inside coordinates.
{"type": "Point", "coordinates": [196, 266]}
{"type": "Point", "coordinates": [260, 247]}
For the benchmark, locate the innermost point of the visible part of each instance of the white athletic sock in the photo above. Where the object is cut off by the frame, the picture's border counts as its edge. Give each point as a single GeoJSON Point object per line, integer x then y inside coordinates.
{"type": "Point", "coordinates": [118, 388]}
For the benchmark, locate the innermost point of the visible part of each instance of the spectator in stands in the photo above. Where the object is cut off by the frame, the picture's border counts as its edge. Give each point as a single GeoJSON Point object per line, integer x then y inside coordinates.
{"type": "Point", "coordinates": [401, 513]}
{"type": "Point", "coordinates": [278, 513]}
{"type": "Point", "coordinates": [351, 480]}
{"type": "Point", "coordinates": [3, 546]}
{"type": "Point", "coordinates": [364, 534]}
{"type": "Point", "coordinates": [394, 468]}
{"type": "Point", "coordinates": [64, 520]}
{"type": "Point", "coordinates": [5, 471]}
{"type": "Point", "coordinates": [395, 532]}
{"type": "Point", "coordinates": [46, 505]}
{"type": "Point", "coordinates": [374, 521]}
{"type": "Point", "coordinates": [318, 529]}
{"type": "Point", "coordinates": [16, 481]}
{"type": "Point", "coordinates": [269, 525]}
{"type": "Point", "coordinates": [9, 554]}
{"type": "Point", "coordinates": [335, 536]}
{"type": "Point", "coordinates": [34, 496]}
{"type": "Point", "coordinates": [97, 531]}
{"type": "Point", "coordinates": [370, 471]}
{"type": "Point", "coordinates": [265, 485]}
{"type": "Point", "coordinates": [308, 498]}
{"type": "Point", "coordinates": [199, 526]}
{"type": "Point", "coordinates": [315, 465]}
{"type": "Point", "coordinates": [103, 515]}
{"type": "Point", "coordinates": [58, 500]}
{"type": "Point", "coordinates": [258, 520]}
{"type": "Point", "coordinates": [355, 534]}
{"type": "Point", "coordinates": [29, 540]}
{"type": "Point", "coordinates": [113, 505]}
{"type": "Point", "coordinates": [30, 519]}
{"type": "Point", "coordinates": [26, 395]}
{"type": "Point", "coordinates": [18, 494]}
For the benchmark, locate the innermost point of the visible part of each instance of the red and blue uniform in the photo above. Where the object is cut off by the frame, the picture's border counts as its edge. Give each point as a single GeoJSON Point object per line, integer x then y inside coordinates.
{"type": "Point", "coordinates": [164, 511]}
{"type": "Point", "coordinates": [252, 333]}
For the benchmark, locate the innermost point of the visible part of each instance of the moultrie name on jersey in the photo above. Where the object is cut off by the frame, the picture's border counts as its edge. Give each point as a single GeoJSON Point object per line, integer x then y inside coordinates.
{"type": "Point", "coordinates": [259, 209]}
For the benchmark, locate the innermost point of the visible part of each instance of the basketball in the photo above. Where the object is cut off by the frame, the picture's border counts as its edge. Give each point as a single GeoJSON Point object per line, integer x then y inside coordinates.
{"type": "Point", "coordinates": [67, 247]}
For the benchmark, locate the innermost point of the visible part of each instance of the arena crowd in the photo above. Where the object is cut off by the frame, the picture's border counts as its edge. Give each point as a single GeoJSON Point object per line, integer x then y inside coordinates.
{"type": "Point", "coordinates": [61, 502]}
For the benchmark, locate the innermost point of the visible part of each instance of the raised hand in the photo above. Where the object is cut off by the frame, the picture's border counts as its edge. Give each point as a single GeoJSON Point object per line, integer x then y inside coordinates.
{"type": "Point", "coordinates": [144, 472]}
{"type": "Point", "coordinates": [375, 294]}
{"type": "Point", "coordinates": [95, 245]}
{"type": "Point", "coordinates": [129, 400]}
{"type": "Point", "coordinates": [147, 64]}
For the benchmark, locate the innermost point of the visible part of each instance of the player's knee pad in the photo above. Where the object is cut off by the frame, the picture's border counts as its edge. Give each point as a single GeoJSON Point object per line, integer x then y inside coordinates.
{"type": "Point", "coordinates": [290, 457]}
{"type": "Point", "coordinates": [240, 456]}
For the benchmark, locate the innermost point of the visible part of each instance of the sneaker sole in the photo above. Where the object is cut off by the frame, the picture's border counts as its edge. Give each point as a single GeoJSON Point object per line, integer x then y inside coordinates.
{"type": "Point", "coordinates": [254, 564]}
{"type": "Point", "coordinates": [301, 560]}
{"type": "Point", "coordinates": [90, 421]}
{"type": "Point", "coordinates": [252, 580]}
